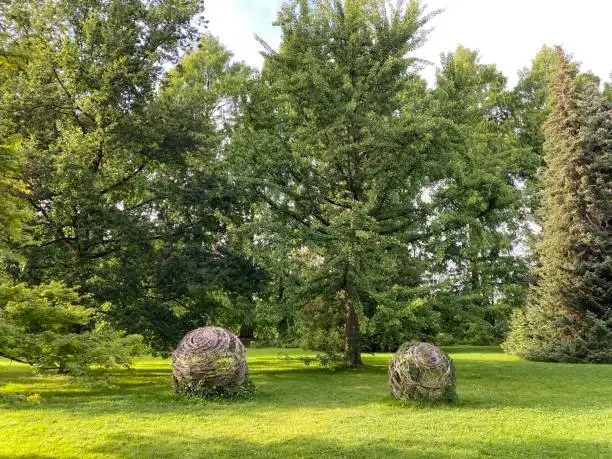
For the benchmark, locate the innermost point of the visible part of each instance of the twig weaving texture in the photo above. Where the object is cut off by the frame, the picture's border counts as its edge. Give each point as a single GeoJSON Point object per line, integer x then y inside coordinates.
{"type": "Point", "coordinates": [422, 371]}
{"type": "Point", "coordinates": [209, 356]}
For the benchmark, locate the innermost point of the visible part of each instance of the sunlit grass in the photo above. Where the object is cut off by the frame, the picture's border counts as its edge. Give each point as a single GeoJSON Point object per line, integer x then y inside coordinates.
{"type": "Point", "coordinates": [507, 408]}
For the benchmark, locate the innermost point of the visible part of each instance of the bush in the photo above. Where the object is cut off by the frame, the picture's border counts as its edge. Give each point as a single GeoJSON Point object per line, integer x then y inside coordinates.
{"type": "Point", "coordinates": [48, 327]}
{"type": "Point", "coordinates": [243, 391]}
{"type": "Point", "coordinates": [535, 336]}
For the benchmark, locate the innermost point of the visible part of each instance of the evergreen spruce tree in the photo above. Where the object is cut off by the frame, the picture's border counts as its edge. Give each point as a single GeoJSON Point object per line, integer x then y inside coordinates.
{"type": "Point", "coordinates": [570, 316]}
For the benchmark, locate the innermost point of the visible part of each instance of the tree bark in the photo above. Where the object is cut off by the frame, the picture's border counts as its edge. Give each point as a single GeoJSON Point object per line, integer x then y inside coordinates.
{"type": "Point", "coordinates": [352, 348]}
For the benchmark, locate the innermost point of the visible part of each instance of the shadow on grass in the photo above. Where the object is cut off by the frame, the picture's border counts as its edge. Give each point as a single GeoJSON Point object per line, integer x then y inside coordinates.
{"type": "Point", "coordinates": [187, 446]}
{"type": "Point", "coordinates": [481, 385]}
{"type": "Point", "coordinates": [31, 456]}
{"type": "Point", "coordinates": [169, 445]}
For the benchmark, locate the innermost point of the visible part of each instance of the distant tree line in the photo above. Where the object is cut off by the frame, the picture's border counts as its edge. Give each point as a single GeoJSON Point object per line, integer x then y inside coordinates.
{"type": "Point", "coordinates": [332, 200]}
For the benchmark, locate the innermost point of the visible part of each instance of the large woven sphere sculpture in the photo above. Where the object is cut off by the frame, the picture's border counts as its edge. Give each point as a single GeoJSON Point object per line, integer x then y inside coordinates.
{"type": "Point", "coordinates": [209, 357]}
{"type": "Point", "coordinates": [422, 371]}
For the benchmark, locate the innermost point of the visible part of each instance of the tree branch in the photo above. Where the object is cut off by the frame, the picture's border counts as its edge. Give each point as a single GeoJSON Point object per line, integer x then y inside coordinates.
{"type": "Point", "coordinates": [74, 103]}
{"type": "Point", "coordinates": [126, 179]}
{"type": "Point", "coordinates": [15, 359]}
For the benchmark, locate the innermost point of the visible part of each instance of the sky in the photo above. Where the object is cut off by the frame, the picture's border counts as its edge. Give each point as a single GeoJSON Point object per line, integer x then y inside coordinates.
{"type": "Point", "coordinates": [507, 33]}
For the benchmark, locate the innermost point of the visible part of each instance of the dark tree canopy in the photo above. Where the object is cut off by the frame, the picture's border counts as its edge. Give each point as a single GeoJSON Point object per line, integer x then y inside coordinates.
{"type": "Point", "coordinates": [120, 161]}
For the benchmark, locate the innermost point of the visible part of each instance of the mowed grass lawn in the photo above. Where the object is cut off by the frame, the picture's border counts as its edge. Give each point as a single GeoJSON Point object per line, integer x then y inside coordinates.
{"type": "Point", "coordinates": [507, 408]}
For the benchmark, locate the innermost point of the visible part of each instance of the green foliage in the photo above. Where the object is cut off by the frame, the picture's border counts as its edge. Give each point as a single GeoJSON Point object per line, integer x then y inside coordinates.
{"type": "Point", "coordinates": [322, 325]}
{"type": "Point", "coordinates": [531, 106]}
{"type": "Point", "coordinates": [204, 277]}
{"type": "Point", "coordinates": [531, 100]}
{"type": "Point", "coordinates": [121, 163]}
{"type": "Point", "coordinates": [329, 359]}
{"type": "Point", "coordinates": [569, 315]}
{"type": "Point", "coordinates": [319, 142]}
{"type": "Point", "coordinates": [393, 325]}
{"type": "Point", "coordinates": [479, 205]}
{"type": "Point", "coordinates": [13, 212]}
{"type": "Point", "coordinates": [277, 322]}
{"type": "Point", "coordinates": [607, 93]}
{"type": "Point", "coordinates": [243, 391]}
{"type": "Point", "coordinates": [48, 327]}
{"type": "Point", "coordinates": [80, 102]}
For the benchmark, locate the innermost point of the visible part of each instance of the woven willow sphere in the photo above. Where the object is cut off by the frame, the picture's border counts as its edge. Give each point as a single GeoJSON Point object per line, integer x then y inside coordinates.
{"type": "Point", "coordinates": [422, 371]}
{"type": "Point", "coordinates": [209, 357]}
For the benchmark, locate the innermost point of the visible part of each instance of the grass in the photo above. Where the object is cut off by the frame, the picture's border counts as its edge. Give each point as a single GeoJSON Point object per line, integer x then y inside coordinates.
{"type": "Point", "coordinates": [507, 408]}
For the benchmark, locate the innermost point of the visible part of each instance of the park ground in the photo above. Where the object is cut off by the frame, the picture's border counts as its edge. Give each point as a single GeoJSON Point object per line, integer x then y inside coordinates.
{"type": "Point", "coordinates": [507, 408]}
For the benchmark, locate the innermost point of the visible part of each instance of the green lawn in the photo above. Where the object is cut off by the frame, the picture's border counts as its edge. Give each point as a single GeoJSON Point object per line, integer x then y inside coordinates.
{"type": "Point", "coordinates": [507, 408]}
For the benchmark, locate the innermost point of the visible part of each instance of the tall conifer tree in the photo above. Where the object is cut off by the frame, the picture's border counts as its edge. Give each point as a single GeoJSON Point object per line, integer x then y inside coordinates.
{"type": "Point", "coordinates": [570, 317]}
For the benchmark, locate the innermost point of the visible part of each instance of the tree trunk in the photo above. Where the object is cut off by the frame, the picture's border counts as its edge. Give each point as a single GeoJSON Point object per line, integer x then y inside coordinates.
{"type": "Point", "coordinates": [352, 349]}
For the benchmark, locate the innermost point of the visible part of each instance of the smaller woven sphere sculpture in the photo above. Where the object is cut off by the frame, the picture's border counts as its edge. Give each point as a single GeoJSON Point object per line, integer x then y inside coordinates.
{"type": "Point", "coordinates": [422, 371]}
{"type": "Point", "coordinates": [209, 357]}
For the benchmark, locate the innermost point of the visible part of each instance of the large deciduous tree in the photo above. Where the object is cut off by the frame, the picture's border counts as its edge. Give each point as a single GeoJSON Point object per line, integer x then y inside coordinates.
{"type": "Point", "coordinates": [46, 326]}
{"type": "Point", "coordinates": [480, 273]}
{"type": "Point", "coordinates": [201, 277]}
{"type": "Point", "coordinates": [570, 315]}
{"type": "Point", "coordinates": [81, 104]}
{"type": "Point", "coordinates": [119, 162]}
{"type": "Point", "coordinates": [338, 156]}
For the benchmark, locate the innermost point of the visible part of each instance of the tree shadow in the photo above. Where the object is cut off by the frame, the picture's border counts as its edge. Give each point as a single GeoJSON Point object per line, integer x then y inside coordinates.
{"type": "Point", "coordinates": [168, 444]}
{"type": "Point", "coordinates": [481, 386]}
{"type": "Point", "coordinates": [33, 456]}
